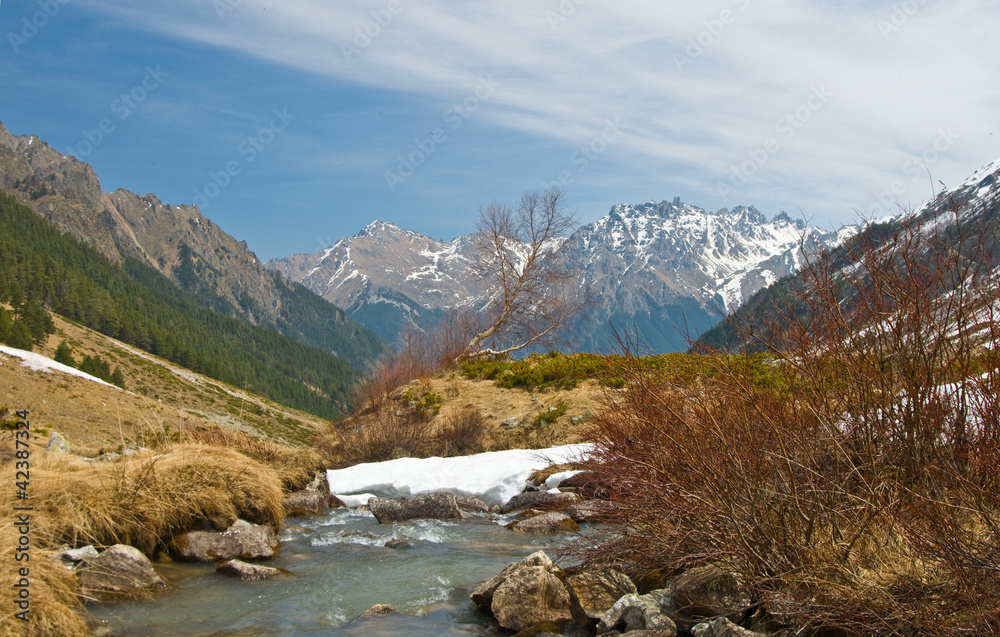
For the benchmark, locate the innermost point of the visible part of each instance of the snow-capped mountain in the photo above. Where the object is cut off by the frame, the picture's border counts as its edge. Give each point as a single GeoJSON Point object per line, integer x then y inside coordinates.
{"type": "Point", "coordinates": [668, 270]}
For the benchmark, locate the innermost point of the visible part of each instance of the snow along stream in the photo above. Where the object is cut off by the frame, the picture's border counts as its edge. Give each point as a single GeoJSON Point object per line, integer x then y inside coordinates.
{"type": "Point", "coordinates": [344, 562]}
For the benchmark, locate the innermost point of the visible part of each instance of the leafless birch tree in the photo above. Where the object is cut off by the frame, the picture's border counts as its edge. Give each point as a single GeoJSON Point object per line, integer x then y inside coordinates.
{"type": "Point", "coordinates": [531, 292]}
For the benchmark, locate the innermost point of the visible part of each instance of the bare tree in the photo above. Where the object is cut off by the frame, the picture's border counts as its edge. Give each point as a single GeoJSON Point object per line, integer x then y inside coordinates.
{"type": "Point", "coordinates": [531, 291]}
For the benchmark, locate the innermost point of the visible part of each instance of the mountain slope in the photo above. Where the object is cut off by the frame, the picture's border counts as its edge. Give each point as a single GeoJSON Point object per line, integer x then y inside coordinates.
{"type": "Point", "coordinates": [134, 303]}
{"type": "Point", "coordinates": [667, 269]}
{"type": "Point", "coordinates": [974, 205]}
{"type": "Point", "coordinates": [221, 273]}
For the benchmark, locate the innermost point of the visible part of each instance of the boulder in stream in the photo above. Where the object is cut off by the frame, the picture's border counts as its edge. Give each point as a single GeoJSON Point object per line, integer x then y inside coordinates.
{"type": "Point", "coordinates": [551, 522]}
{"type": "Point", "coordinates": [120, 572]}
{"type": "Point", "coordinates": [242, 541]}
{"type": "Point", "coordinates": [431, 506]}
{"type": "Point", "coordinates": [541, 500]}
{"type": "Point", "coordinates": [249, 572]}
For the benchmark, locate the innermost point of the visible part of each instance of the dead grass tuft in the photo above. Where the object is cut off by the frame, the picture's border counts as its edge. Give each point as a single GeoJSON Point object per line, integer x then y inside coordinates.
{"type": "Point", "coordinates": [145, 499]}
{"type": "Point", "coordinates": [295, 466]}
{"type": "Point", "coordinates": [55, 607]}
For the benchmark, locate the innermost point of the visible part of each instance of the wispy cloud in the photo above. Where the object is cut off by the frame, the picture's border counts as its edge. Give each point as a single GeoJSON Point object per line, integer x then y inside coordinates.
{"type": "Point", "coordinates": [895, 77]}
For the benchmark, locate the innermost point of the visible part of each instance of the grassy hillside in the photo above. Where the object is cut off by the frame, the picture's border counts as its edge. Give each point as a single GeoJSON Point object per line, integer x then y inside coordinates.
{"type": "Point", "coordinates": [137, 305]}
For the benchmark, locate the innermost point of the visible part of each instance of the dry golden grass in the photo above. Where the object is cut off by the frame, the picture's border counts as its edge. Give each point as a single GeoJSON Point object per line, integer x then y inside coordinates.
{"type": "Point", "coordinates": [147, 498]}
{"type": "Point", "coordinates": [143, 500]}
{"type": "Point", "coordinates": [295, 466]}
{"type": "Point", "coordinates": [55, 608]}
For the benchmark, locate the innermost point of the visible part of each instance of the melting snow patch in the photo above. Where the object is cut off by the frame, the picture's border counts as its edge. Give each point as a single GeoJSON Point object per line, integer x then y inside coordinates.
{"type": "Point", "coordinates": [39, 363]}
{"type": "Point", "coordinates": [493, 477]}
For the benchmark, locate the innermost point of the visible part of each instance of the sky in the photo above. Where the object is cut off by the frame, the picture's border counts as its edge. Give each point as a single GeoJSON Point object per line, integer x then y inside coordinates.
{"type": "Point", "coordinates": [295, 123]}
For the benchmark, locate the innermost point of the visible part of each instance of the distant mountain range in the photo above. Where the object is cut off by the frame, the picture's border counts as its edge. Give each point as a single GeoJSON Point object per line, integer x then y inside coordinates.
{"type": "Point", "coordinates": [194, 253]}
{"type": "Point", "coordinates": [667, 270]}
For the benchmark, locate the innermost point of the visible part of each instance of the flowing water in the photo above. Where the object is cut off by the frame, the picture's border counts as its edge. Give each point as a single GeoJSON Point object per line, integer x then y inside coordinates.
{"type": "Point", "coordinates": [342, 562]}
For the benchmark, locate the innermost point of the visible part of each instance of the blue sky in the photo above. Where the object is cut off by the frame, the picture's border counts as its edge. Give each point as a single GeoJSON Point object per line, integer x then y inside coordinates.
{"type": "Point", "coordinates": [319, 117]}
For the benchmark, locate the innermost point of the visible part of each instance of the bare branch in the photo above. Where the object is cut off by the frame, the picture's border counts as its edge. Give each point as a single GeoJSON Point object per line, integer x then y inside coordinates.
{"type": "Point", "coordinates": [529, 287]}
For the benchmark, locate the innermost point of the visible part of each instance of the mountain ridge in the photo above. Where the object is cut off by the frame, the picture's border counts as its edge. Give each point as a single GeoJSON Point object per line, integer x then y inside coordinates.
{"type": "Point", "coordinates": [179, 242]}
{"type": "Point", "coordinates": [666, 268]}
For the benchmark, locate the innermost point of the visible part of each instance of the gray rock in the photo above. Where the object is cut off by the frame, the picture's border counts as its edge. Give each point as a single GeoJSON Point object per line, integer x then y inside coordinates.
{"type": "Point", "coordinates": [511, 423]}
{"type": "Point", "coordinates": [312, 500]}
{"type": "Point", "coordinates": [592, 593]}
{"type": "Point", "coordinates": [552, 522]}
{"type": "Point", "coordinates": [248, 572]}
{"type": "Point", "coordinates": [721, 627]}
{"type": "Point", "coordinates": [636, 612]}
{"type": "Point", "coordinates": [79, 555]}
{"type": "Point", "coordinates": [708, 591]}
{"type": "Point", "coordinates": [482, 595]}
{"type": "Point", "coordinates": [528, 596]}
{"type": "Point", "coordinates": [58, 443]}
{"type": "Point", "coordinates": [242, 541]}
{"type": "Point", "coordinates": [541, 499]}
{"type": "Point", "coordinates": [589, 511]}
{"type": "Point", "coordinates": [120, 572]}
{"type": "Point", "coordinates": [432, 506]}
{"type": "Point", "coordinates": [576, 420]}
{"type": "Point", "coordinates": [472, 505]}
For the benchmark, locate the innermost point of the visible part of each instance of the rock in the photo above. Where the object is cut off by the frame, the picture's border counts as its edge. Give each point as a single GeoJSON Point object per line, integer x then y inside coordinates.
{"type": "Point", "coordinates": [120, 572]}
{"type": "Point", "coordinates": [496, 508]}
{"type": "Point", "coordinates": [708, 591]}
{"type": "Point", "coordinates": [399, 543]}
{"type": "Point", "coordinates": [379, 609]}
{"type": "Point", "coordinates": [589, 511]}
{"type": "Point", "coordinates": [721, 627]}
{"type": "Point", "coordinates": [552, 522]}
{"type": "Point", "coordinates": [530, 595]}
{"type": "Point", "coordinates": [472, 505]}
{"type": "Point", "coordinates": [432, 506]}
{"type": "Point", "coordinates": [586, 483]}
{"type": "Point", "coordinates": [541, 499]}
{"type": "Point", "coordinates": [58, 443]}
{"type": "Point", "coordinates": [594, 592]}
{"type": "Point", "coordinates": [242, 541]}
{"type": "Point", "coordinates": [79, 555]}
{"type": "Point", "coordinates": [305, 502]}
{"type": "Point", "coordinates": [542, 629]}
{"type": "Point", "coordinates": [248, 572]}
{"type": "Point", "coordinates": [511, 423]}
{"type": "Point", "coordinates": [482, 595]}
{"type": "Point", "coordinates": [336, 503]}
{"type": "Point", "coordinates": [312, 500]}
{"type": "Point", "coordinates": [576, 420]}
{"type": "Point", "coordinates": [636, 612]}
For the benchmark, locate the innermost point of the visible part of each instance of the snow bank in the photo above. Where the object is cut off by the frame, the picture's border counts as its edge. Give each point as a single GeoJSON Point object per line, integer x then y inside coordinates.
{"type": "Point", "coordinates": [493, 477]}
{"type": "Point", "coordinates": [39, 363]}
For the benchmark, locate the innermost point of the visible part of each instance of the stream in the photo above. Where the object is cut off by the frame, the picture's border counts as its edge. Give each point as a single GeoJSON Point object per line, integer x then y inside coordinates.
{"type": "Point", "coordinates": [341, 566]}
